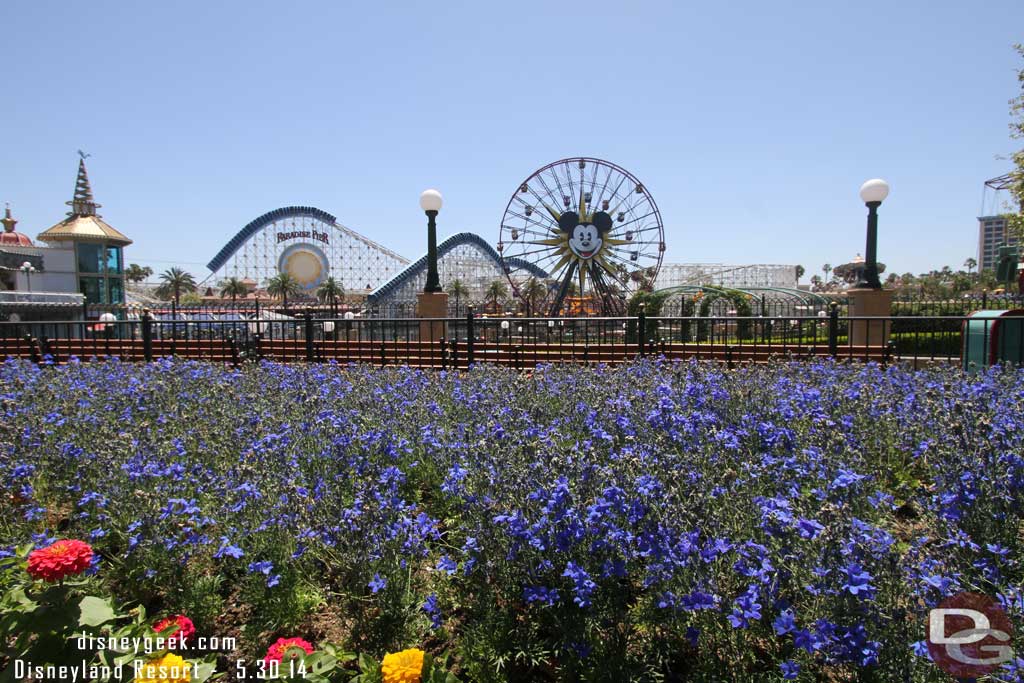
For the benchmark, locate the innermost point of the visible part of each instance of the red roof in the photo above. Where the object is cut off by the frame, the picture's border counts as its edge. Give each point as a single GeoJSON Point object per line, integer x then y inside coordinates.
{"type": "Point", "coordinates": [15, 239]}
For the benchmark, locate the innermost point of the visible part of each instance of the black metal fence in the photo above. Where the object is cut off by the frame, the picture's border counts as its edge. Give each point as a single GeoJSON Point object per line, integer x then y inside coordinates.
{"type": "Point", "coordinates": [763, 306]}
{"type": "Point", "coordinates": [521, 342]}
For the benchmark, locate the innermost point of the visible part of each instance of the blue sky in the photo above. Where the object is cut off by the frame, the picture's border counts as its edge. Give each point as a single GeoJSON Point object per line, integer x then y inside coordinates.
{"type": "Point", "coordinates": [752, 124]}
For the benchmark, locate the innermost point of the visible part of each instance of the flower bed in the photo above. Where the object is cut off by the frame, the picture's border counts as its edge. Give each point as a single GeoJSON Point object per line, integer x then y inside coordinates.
{"type": "Point", "coordinates": [787, 521]}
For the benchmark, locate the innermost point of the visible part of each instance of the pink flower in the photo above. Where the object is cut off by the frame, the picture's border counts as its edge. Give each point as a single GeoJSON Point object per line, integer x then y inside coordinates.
{"type": "Point", "coordinates": [287, 648]}
{"type": "Point", "coordinates": [181, 628]}
{"type": "Point", "coordinates": [63, 558]}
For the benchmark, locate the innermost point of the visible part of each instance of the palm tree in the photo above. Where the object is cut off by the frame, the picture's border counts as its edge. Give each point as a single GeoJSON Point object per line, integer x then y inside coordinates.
{"type": "Point", "coordinates": [970, 264]}
{"type": "Point", "coordinates": [799, 273]}
{"type": "Point", "coordinates": [534, 291]}
{"type": "Point", "coordinates": [330, 290]}
{"type": "Point", "coordinates": [827, 268]}
{"type": "Point", "coordinates": [136, 273]}
{"type": "Point", "coordinates": [233, 287]}
{"type": "Point", "coordinates": [496, 290]}
{"type": "Point", "coordinates": [458, 289]}
{"type": "Point", "coordinates": [281, 285]}
{"type": "Point", "coordinates": [173, 283]}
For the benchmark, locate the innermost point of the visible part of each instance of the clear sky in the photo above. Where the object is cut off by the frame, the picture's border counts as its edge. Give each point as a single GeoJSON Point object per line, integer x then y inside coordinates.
{"type": "Point", "coordinates": [753, 124]}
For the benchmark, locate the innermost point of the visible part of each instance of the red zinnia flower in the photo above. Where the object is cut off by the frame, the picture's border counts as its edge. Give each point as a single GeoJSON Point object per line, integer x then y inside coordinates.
{"type": "Point", "coordinates": [63, 558]}
{"type": "Point", "coordinates": [184, 631]}
{"type": "Point", "coordinates": [287, 647]}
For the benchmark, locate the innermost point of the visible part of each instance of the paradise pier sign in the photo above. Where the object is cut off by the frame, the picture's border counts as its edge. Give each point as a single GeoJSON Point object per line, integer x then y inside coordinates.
{"type": "Point", "coordinates": [304, 234]}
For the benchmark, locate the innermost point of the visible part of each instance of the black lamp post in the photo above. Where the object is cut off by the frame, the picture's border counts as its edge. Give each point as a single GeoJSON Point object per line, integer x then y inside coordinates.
{"type": "Point", "coordinates": [430, 202]}
{"type": "Point", "coordinates": [873, 192]}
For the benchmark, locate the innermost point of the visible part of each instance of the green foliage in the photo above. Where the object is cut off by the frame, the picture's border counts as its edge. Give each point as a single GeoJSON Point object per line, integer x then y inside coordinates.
{"type": "Point", "coordinates": [283, 285]}
{"type": "Point", "coordinates": [233, 287]}
{"type": "Point", "coordinates": [496, 292]}
{"type": "Point", "coordinates": [39, 620]}
{"type": "Point", "coordinates": [652, 304]}
{"type": "Point", "coordinates": [1015, 219]}
{"type": "Point", "coordinates": [741, 303]}
{"type": "Point", "coordinates": [136, 273]}
{"type": "Point", "coordinates": [174, 282]}
{"type": "Point", "coordinates": [198, 596]}
{"type": "Point", "coordinates": [331, 291]}
{"type": "Point", "coordinates": [57, 624]}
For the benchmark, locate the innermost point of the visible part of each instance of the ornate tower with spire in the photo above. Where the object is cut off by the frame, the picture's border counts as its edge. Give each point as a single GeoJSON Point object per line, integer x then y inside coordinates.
{"type": "Point", "coordinates": [82, 203]}
{"type": "Point", "coordinates": [98, 247]}
{"type": "Point", "coordinates": [9, 237]}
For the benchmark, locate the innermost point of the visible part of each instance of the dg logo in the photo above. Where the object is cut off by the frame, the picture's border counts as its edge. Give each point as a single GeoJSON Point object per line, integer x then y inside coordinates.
{"type": "Point", "coordinates": [969, 635]}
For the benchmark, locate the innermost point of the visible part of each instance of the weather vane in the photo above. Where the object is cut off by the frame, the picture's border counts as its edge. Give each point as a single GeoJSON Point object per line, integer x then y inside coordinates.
{"type": "Point", "coordinates": [83, 155]}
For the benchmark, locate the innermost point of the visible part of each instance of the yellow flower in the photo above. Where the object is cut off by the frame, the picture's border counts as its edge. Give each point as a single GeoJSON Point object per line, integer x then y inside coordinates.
{"type": "Point", "coordinates": [403, 667]}
{"type": "Point", "coordinates": [168, 669]}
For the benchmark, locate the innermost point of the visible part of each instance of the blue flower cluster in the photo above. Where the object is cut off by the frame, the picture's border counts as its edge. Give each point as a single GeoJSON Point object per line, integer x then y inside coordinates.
{"type": "Point", "coordinates": [654, 518]}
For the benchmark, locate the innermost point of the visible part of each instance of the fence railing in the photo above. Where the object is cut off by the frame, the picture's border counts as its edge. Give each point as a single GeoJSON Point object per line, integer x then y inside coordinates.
{"type": "Point", "coordinates": [762, 306]}
{"type": "Point", "coordinates": [520, 342]}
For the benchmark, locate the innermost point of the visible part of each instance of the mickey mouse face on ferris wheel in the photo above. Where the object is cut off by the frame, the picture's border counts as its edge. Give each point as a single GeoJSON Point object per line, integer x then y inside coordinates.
{"type": "Point", "coordinates": [585, 237]}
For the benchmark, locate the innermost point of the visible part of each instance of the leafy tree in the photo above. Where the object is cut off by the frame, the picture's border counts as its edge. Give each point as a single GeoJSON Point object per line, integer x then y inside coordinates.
{"type": "Point", "coordinates": [233, 287]}
{"type": "Point", "coordinates": [495, 291]}
{"type": "Point", "coordinates": [851, 272]}
{"type": "Point", "coordinates": [136, 273]}
{"type": "Point", "coordinates": [281, 285]}
{"type": "Point", "coordinates": [330, 290]}
{"type": "Point", "coordinates": [970, 264]}
{"type": "Point", "coordinates": [1015, 221]}
{"type": "Point", "coordinates": [534, 291]}
{"type": "Point", "coordinates": [458, 289]}
{"type": "Point", "coordinates": [652, 303]}
{"type": "Point", "coordinates": [173, 282]}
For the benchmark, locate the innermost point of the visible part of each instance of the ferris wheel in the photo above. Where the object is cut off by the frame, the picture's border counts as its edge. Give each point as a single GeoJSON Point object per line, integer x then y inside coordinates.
{"type": "Point", "coordinates": [592, 226]}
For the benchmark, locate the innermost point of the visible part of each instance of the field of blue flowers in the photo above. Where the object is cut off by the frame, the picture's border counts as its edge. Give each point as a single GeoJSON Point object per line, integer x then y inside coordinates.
{"type": "Point", "coordinates": [654, 521]}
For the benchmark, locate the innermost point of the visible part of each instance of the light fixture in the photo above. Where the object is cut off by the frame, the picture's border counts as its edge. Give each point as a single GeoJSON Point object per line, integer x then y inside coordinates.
{"type": "Point", "coordinates": [874, 190]}
{"type": "Point", "coordinates": [431, 200]}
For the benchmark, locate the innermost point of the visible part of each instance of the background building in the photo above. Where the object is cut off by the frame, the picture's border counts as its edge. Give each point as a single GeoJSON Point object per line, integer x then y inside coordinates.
{"type": "Point", "coordinates": [82, 262]}
{"type": "Point", "coordinates": [992, 233]}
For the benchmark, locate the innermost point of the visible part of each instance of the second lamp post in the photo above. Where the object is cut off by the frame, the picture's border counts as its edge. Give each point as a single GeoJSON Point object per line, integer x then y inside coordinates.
{"type": "Point", "coordinates": [430, 202]}
{"type": "Point", "coordinates": [873, 192]}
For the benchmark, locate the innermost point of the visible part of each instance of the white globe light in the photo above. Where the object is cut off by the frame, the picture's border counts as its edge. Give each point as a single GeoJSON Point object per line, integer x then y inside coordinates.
{"type": "Point", "coordinates": [328, 327]}
{"type": "Point", "coordinates": [874, 190]}
{"type": "Point", "coordinates": [26, 265]}
{"type": "Point", "coordinates": [349, 315]}
{"type": "Point", "coordinates": [504, 324]}
{"type": "Point", "coordinates": [108, 318]}
{"type": "Point", "coordinates": [430, 200]}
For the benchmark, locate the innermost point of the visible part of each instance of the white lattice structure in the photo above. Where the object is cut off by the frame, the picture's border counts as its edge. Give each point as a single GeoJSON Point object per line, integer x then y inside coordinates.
{"type": "Point", "coordinates": [465, 257]}
{"type": "Point", "coordinates": [722, 275]}
{"type": "Point", "coordinates": [310, 244]}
